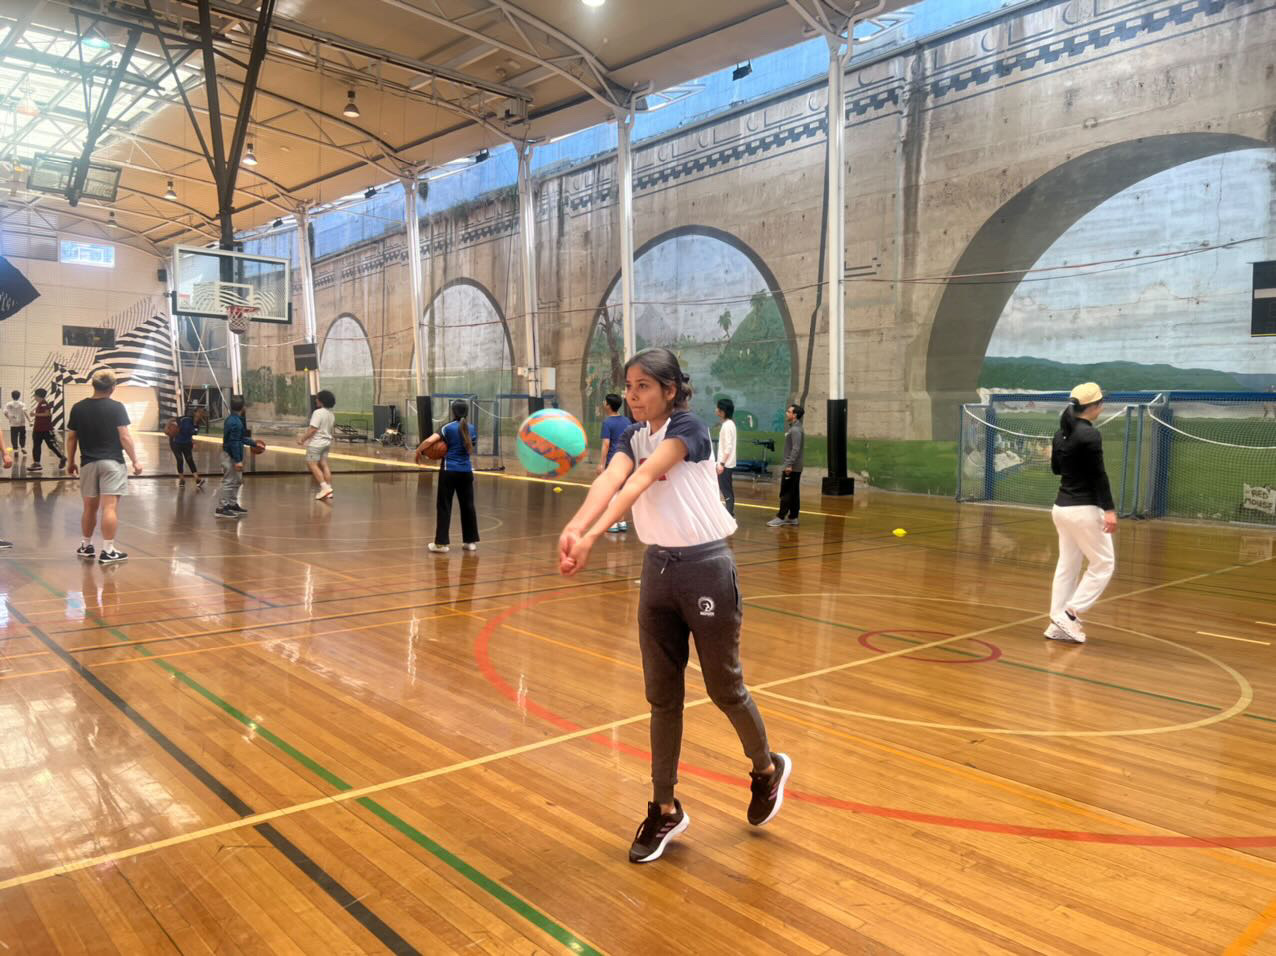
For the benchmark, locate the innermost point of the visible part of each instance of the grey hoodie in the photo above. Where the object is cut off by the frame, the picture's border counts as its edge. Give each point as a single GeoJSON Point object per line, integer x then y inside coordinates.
{"type": "Point", "coordinates": [794, 446]}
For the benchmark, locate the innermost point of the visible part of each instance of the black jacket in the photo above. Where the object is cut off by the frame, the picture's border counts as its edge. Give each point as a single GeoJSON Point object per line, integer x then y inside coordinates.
{"type": "Point", "coordinates": [1078, 460]}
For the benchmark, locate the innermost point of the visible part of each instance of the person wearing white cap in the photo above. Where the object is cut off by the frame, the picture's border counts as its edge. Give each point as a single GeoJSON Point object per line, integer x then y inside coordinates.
{"type": "Point", "coordinates": [1084, 515]}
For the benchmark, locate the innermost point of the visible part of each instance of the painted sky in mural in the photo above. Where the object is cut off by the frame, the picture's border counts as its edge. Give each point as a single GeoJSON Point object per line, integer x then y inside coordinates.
{"type": "Point", "coordinates": [1191, 312]}
{"type": "Point", "coordinates": [345, 366]}
{"type": "Point", "coordinates": [470, 348]}
{"type": "Point", "coordinates": [707, 301]}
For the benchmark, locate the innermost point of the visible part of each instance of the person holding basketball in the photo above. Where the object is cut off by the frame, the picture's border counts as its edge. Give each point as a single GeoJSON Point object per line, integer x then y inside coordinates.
{"type": "Point", "coordinates": [234, 440]}
{"type": "Point", "coordinates": [454, 444]}
{"type": "Point", "coordinates": [1084, 515]}
{"type": "Point", "coordinates": [664, 469]}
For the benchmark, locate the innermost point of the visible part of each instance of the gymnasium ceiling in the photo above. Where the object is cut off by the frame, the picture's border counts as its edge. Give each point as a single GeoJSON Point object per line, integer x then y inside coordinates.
{"type": "Point", "coordinates": [434, 81]}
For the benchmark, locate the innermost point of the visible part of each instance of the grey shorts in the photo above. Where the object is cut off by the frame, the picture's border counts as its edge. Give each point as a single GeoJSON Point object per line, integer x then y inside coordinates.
{"type": "Point", "coordinates": [103, 478]}
{"type": "Point", "coordinates": [317, 454]}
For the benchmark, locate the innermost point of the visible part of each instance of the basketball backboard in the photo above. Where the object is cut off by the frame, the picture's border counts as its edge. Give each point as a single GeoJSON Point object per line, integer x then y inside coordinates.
{"type": "Point", "coordinates": [207, 282]}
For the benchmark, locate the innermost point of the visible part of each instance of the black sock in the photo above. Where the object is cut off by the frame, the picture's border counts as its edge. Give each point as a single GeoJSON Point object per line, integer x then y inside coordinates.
{"type": "Point", "coordinates": [1071, 616]}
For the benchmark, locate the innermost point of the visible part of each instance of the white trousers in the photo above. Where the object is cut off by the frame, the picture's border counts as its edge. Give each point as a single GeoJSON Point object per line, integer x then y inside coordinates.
{"type": "Point", "coordinates": [1081, 535]}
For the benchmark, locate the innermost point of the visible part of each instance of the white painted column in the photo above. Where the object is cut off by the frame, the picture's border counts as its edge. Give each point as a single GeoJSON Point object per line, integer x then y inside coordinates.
{"type": "Point", "coordinates": [413, 223]}
{"type": "Point", "coordinates": [835, 240]}
{"type": "Point", "coordinates": [310, 316]}
{"type": "Point", "coordinates": [625, 184]}
{"type": "Point", "coordinates": [235, 359]}
{"type": "Point", "coordinates": [531, 296]}
{"type": "Point", "coordinates": [175, 336]}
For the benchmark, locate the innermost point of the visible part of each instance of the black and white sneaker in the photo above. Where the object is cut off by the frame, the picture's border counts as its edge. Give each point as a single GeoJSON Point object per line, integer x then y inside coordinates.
{"type": "Point", "coordinates": [768, 791]}
{"type": "Point", "coordinates": [5, 545]}
{"type": "Point", "coordinates": [238, 509]}
{"type": "Point", "coordinates": [111, 557]}
{"type": "Point", "coordinates": [226, 512]}
{"type": "Point", "coordinates": [656, 831]}
{"type": "Point", "coordinates": [86, 551]}
{"type": "Point", "coordinates": [35, 466]}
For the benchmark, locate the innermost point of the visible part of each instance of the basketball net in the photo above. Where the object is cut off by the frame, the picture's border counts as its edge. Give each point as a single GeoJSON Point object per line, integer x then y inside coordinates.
{"type": "Point", "coordinates": [237, 317]}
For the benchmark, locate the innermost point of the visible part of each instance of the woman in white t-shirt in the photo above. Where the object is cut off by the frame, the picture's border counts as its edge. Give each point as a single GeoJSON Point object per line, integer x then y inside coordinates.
{"type": "Point", "coordinates": [318, 441]}
{"type": "Point", "coordinates": [664, 470]}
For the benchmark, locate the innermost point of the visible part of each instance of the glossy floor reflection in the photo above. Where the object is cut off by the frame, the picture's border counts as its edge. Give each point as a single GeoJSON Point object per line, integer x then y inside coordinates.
{"type": "Point", "coordinates": [301, 732]}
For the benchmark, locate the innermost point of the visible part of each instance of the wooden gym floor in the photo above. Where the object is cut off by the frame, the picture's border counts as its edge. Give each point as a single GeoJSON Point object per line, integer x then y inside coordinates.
{"type": "Point", "coordinates": [302, 733]}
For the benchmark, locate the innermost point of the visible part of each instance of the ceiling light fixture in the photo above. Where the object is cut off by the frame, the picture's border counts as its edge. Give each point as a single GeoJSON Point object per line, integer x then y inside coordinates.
{"type": "Point", "coordinates": [741, 71]}
{"type": "Point", "coordinates": [352, 108]}
{"type": "Point", "coordinates": [481, 156]}
{"type": "Point", "coordinates": [250, 158]}
{"type": "Point", "coordinates": [369, 193]}
{"type": "Point", "coordinates": [110, 222]}
{"type": "Point", "coordinates": [93, 40]}
{"type": "Point", "coordinates": [170, 194]}
{"type": "Point", "coordinates": [593, 3]}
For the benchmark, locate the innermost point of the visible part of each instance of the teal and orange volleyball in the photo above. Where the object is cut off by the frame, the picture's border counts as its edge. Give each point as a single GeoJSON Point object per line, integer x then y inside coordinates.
{"type": "Point", "coordinates": [550, 442]}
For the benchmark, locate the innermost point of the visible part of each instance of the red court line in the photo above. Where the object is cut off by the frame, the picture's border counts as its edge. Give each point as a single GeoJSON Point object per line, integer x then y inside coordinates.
{"type": "Point", "coordinates": [483, 660]}
{"type": "Point", "coordinates": [994, 652]}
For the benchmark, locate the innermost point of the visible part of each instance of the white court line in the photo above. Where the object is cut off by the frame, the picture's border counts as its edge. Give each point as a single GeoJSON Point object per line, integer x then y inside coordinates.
{"type": "Point", "coordinates": [1266, 623]}
{"type": "Point", "coordinates": [355, 794]}
{"type": "Point", "coordinates": [1229, 637]}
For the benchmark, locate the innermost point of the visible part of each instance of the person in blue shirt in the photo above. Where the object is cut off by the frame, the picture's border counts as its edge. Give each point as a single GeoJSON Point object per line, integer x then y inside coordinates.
{"type": "Point", "coordinates": [234, 440]}
{"type": "Point", "coordinates": [182, 445]}
{"type": "Point", "coordinates": [614, 426]}
{"type": "Point", "coordinates": [455, 478]}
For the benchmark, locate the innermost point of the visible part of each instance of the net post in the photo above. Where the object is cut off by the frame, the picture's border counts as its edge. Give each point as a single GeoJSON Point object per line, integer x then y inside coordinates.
{"type": "Point", "coordinates": [990, 453]}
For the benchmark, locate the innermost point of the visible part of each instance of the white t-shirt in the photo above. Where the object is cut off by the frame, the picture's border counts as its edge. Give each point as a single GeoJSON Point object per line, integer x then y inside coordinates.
{"type": "Point", "coordinates": [726, 444]}
{"type": "Point", "coordinates": [682, 509]}
{"type": "Point", "coordinates": [321, 420]}
{"type": "Point", "coordinates": [16, 412]}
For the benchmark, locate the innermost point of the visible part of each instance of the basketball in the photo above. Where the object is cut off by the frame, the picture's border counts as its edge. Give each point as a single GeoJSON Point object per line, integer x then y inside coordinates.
{"type": "Point", "coordinates": [550, 442]}
{"type": "Point", "coordinates": [436, 450]}
{"type": "Point", "coordinates": [259, 447]}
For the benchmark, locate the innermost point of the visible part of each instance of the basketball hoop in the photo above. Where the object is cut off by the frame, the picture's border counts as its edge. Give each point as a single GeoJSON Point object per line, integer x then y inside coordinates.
{"type": "Point", "coordinates": [237, 317]}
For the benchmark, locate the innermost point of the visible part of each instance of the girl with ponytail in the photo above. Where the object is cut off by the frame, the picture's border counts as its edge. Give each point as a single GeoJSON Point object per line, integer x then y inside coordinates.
{"type": "Point", "coordinates": [663, 469]}
{"type": "Point", "coordinates": [456, 477]}
{"type": "Point", "coordinates": [1084, 515]}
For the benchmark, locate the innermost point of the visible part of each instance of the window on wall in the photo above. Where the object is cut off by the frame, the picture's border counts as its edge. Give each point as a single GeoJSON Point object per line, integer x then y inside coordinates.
{"type": "Point", "coordinates": [98, 254]}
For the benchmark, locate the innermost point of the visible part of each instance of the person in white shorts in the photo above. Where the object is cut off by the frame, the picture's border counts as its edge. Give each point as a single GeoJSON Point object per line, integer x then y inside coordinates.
{"type": "Point", "coordinates": [1084, 515]}
{"type": "Point", "coordinates": [98, 430]}
{"type": "Point", "coordinates": [317, 441]}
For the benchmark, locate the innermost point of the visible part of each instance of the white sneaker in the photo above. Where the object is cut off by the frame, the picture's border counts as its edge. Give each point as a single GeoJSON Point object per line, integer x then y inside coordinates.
{"type": "Point", "coordinates": [777, 522]}
{"type": "Point", "coordinates": [615, 529]}
{"type": "Point", "coordinates": [470, 546]}
{"type": "Point", "coordinates": [325, 491]}
{"type": "Point", "coordinates": [1069, 629]}
{"type": "Point", "coordinates": [792, 522]}
{"type": "Point", "coordinates": [438, 548]}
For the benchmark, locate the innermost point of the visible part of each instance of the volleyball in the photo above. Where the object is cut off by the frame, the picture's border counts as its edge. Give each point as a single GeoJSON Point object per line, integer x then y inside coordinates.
{"type": "Point", "coordinates": [550, 442]}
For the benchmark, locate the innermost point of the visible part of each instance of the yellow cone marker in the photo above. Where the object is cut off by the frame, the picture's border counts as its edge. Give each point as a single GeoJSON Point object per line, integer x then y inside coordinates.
{"type": "Point", "coordinates": [899, 532]}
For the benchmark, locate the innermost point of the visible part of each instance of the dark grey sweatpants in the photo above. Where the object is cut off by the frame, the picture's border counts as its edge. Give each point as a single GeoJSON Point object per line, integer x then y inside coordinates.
{"type": "Point", "coordinates": [693, 591]}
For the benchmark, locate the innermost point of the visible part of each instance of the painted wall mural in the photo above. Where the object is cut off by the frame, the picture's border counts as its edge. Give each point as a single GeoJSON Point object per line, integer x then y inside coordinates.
{"type": "Point", "coordinates": [701, 294]}
{"type": "Point", "coordinates": [345, 366]}
{"type": "Point", "coordinates": [470, 348]}
{"type": "Point", "coordinates": [1180, 321]}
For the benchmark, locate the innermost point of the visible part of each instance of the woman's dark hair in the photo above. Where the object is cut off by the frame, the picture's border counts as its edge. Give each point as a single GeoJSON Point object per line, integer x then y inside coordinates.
{"type": "Point", "coordinates": [1071, 414]}
{"type": "Point", "coordinates": [326, 398]}
{"type": "Point", "coordinates": [613, 401]}
{"type": "Point", "coordinates": [460, 411]}
{"type": "Point", "coordinates": [727, 406]}
{"type": "Point", "coordinates": [662, 365]}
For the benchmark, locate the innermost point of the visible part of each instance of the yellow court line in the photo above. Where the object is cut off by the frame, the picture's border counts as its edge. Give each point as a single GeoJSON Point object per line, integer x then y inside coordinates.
{"type": "Point", "coordinates": [529, 748]}
{"type": "Point", "coordinates": [1253, 932]}
{"type": "Point", "coordinates": [1229, 637]}
{"type": "Point", "coordinates": [413, 466]}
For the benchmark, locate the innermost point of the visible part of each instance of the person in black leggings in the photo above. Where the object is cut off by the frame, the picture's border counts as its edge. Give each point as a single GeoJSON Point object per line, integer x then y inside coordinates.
{"type": "Point", "coordinates": [455, 478]}
{"type": "Point", "coordinates": [182, 445]}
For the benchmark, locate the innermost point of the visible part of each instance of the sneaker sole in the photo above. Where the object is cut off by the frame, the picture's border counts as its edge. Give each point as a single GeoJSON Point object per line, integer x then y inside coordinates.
{"type": "Point", "coordinates": [660, 847]}
{"type": "Point", "coordinates": [1072, 638]}
{"type": "Point", "coordinates": [216, 515]}
{"type": "Point", "coordinates": [86, 557]}
{"type": "Point", "coordinates": [112, 561]}
{"type": "Point", "coordinates": [779, 798]}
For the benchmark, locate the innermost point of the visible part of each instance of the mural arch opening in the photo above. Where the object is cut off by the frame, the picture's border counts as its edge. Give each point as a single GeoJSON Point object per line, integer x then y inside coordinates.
{"type": "Point", "coordinates": [708, 297]}
{"type": "Point", "coordinates": [469, 342]}
{"type": "Point", "coordinates": [345, 366]}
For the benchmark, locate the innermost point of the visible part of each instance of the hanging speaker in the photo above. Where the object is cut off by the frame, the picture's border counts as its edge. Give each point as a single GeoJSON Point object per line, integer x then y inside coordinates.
{"type": "Point", "coordinates": [161, 275]}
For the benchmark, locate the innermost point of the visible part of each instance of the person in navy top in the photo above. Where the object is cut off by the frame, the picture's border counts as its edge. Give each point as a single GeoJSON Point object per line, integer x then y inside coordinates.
{"type": "Point", "coordinates": [614, 427]}
{"type": "Point", "coordinates": [182, 445]}
{"type": "Point", "coordinates": [455, 478]}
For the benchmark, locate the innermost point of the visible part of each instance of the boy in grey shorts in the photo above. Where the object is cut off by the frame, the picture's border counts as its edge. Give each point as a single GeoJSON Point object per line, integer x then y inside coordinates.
{"type": "Point", "coordinates": [98, 429]}
{"type": "Point", "coordinates": [317, 441]}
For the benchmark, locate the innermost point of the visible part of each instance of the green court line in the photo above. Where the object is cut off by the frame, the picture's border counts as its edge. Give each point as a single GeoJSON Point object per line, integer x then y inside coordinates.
{"type": "Point", "coordinates": [1027, 667]}
{"type": "Point", "coordinates": [525, 909]}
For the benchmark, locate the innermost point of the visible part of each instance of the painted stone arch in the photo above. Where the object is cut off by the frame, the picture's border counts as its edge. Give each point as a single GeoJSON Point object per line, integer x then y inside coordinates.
{"type": "Point", "coordinates": [1015, 238]}
{"type": "Point", "coordinates": [345, 365]}
{"type": "Point", "coordinates": [470, 347]}
{"type": "Point", "coordinates": [712, 300]}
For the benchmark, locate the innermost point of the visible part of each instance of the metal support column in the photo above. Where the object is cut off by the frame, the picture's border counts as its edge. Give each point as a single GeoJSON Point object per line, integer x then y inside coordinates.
{"type": "Point", "coordinates": [236, 361]}
{"type": "Point", "coordinates": [175, 337]}
{"type": "Point", "coordinates": [412, 222]}
{"type": "Point", "coordinates": [837, 482]}
{"type": "Point", "coordinates": [625, 184]}
{"type": "Point", "coordinates": [531, 298]}
{"type": "Point", "coordinates": [308, 292]}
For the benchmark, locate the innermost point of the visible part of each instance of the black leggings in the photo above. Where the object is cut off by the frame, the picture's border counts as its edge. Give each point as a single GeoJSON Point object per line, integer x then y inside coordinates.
{"type": "Point", "coordinates": [40, 439]}
{"type": "Point", "coordinates": [462, 484]}
{"type": "Point", "coordinates": [18, 437]}
{"type": "Point", "coordinates": [184, 452]}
